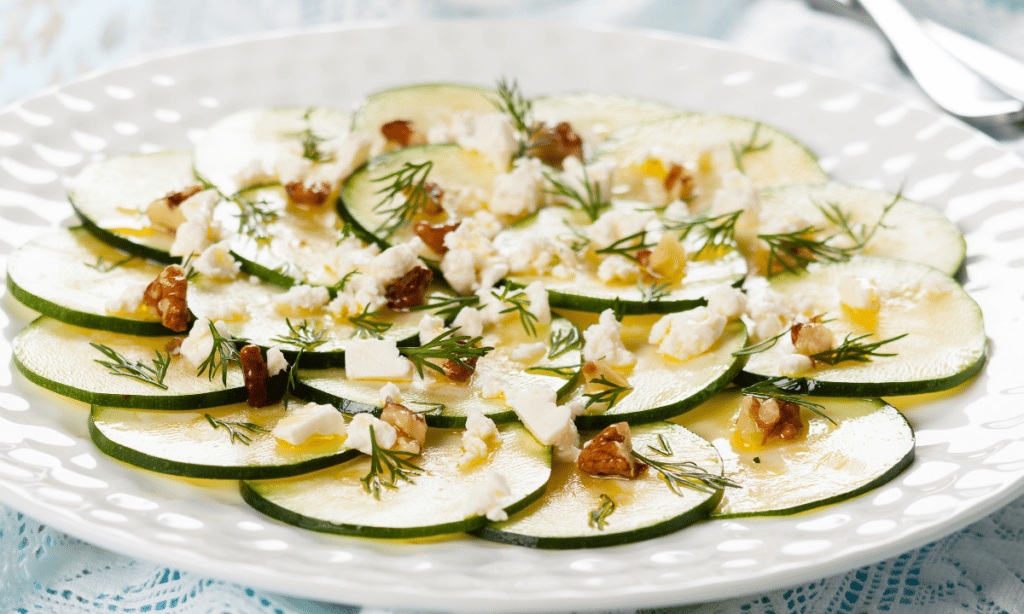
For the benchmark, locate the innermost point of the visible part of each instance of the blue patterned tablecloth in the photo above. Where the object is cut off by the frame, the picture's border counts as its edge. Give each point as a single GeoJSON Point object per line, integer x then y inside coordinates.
{"type": "Point", "coordinates": [979, 569]}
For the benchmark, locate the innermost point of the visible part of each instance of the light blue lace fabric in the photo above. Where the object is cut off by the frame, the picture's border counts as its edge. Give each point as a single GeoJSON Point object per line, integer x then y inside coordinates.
{"type": "Point", "coordinates": [977, 570]}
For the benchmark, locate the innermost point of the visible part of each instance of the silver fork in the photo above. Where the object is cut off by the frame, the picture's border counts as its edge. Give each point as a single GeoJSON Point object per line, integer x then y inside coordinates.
{"type": "Point", "coordinates": [950, 83]}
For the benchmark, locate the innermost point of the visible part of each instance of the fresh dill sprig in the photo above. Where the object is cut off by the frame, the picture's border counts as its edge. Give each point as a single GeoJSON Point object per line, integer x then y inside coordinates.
{"type": "Point", "coordinates": [253, 218]}
{"type": "Point", "coordinates": [408, 182]}
{"type": "Point", "coordinates": [428, 407]}
{"type": "Point", "coordinates": [591, 201]}
{"type": "Point", "coordinates": [395, 462]}
{"type": "Point", "coordinates": [221, 355]}
{"type": "Point", "coordinates": [852, 349]}
{"type": "Point", "coordinates": [761, 346]}
{"type": "Point", "coordinates": [751, 146]}
{"type": "Point", "coordinates": [564, 341]}
{"type": "Point", "coordinates": [599, 517]}
{"type": "Point", "coordinates": [233, 429]}
{"type": "Point", "coordinates": [579, 241]}
{"type": "Point", "coordinates": [446, 346]}
{"type": "Point", "coordinates": [654, 293]}
{"type": "Point", "coordinates": [446, 306]}
{"type": "Point", "coordinates": [306, 335]}
{"type": "Point", "coordinates": [778, 389]}
{"type": "Point", "coordinates": [795, 250]}
{"type": "Point", "coordinates": [664, 447]}
{"type": "Point", "coordinates": [339, 286]}
{"type": "Point", "coordinates": [368, 324]}
{"type": "Point", "coordinates": [135, 369]}
{"type": "Point", "coordinates": [311, 141]}
{"type": "Point", "coordinates": [717, 231]}
{"type": "Point", "coordinates": [511, 102]}
{"type": "Point", "coordinates": [190, 270]}
{"type": "Point", "coordinates": [627, 246]}
{"type": "Point", "coordinates": [564, 372]}
{"type": "Point", "coordinates": [518, 304]}
{"type": "Point", "coordinates": [609, 396]}
{"type": "Point", "coordinates": [842, 219]}
{"type": "Point", "coordinates": [687, 474]}
{"type": "Point", "coordinates": [103, 267]}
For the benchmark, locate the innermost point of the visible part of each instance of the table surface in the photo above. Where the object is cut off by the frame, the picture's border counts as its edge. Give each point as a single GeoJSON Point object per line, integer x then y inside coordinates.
{"type": "Point", "coordinates": [978, 569]}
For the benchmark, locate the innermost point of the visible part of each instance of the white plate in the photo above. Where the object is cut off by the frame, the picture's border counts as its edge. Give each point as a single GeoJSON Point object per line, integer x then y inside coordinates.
{"type": "Point", "coordinates": [969, 459]}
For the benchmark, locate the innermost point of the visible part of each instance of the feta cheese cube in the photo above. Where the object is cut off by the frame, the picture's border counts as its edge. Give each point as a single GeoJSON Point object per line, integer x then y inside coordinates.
{"type": "Point", "coordinates": [603, 341]}
{"type": "Point", "coordinates": [308, 420]}
{"type": "Point", "coordinates": [687, 334]}
{"type": "Point", "coordinates": [359, 433]}
{"type": "Point", "coordinates": [538, 410]}
{"type": "Point", "coordinates": [376, 359]}
{"type": "Point", "coordinates": [199, 343]}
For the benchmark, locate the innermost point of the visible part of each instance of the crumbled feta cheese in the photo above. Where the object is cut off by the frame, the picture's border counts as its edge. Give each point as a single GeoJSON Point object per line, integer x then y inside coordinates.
{"type": "Point", "coordinates": [687, 334]}
{"type": "Point", "coordinates": [768, 310]}
{"type": "Point", "coordinates": [536, 255]}
{"type": "Point", "coordinates": [301, 299]}
{"type": "Point", "coordinates": [857, 293]}
{"type": "Point", "coordinates": [394, 262]}
{"type": "Point", "coordinates": [617, 224]}
{"type": "Point", "coordinates": [529, 352]}
{"type": "Point", "coordinates": [519, 191]}
{"type": "Point", "coordinates": [727, 301]}
{"type": "Point", "coordinates": [617, 268]}
{"type": "Point", "coordinates": [491, 385]}
{"type": "Point", "coordinates": [252, 174]}
{"type": "Point", "coordinates": [539, 305]}
{"type": "Point", "coordinates": [128, 301]}
{"type": "Point", "coordinates": [376, 359]}
{"type": "Point", "coordinates": [472, 263]}
{"type": "Point", "coordinates": [487, 498]}
{"type": "Point", "coordinates": [308, 420]}
{"type": "Point", "coordinates": [228, 310]}
{"type": "Point", "coordinates": [538, 410]}
{"type": "Point", "coordinates": [469, 321]}
{"type": "Point", "coordinates": [459, 269]}
{"type": "Point", "coordinates": [199, 230]}
{"type": "Point", "coordinates": [599, 175]}
{"type": "Point", "coordinates": [567, 448]}
{"type": "Point", "coordinates": [494, 137]}
{"type": "Point", "coordinates": [390, 391]}
{"type": "Point", "coordinates": [199, 343]}
{"type": "Point", "coordinates": [216, 262]}
{"type": "Point", "coordinates": [276, 362]}
{"type": "Point", "coordinates": [348, 153]}
{"type": "Point", "coordinates": [479, 429]}
{"type": "Point", "coordinates": [359, 433]}
{"type": "Point", "coordinates": [603, 341]}
{"type": "Point", "coordinates": [430, 327]}
{"type": "Point", "coordinates": [461, 202]}
{"type": "Point", "coordinates": [362, 292]}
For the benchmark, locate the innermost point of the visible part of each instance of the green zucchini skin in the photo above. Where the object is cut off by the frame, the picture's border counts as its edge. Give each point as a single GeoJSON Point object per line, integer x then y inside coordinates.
{"type": "Point", "coordinates": [140, 459]}
{"type": "Point", "coordinates": [123, 243]}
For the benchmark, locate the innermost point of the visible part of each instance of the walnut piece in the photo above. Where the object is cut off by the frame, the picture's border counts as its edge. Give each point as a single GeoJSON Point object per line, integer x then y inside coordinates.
{"type": "Point", "coordinates": [254, 370]}
{"type": "Point", "coordinates": [409, 290]}
{"type": "Point", "coordinates": [433, 234]}
{"type": "Point", "coordinates": [167, 296]}
{"type": "Point", "coordinates": [411, 427]}
{"type": "Point", "coordinates": [678, 183]}
{"type": "Point", "coordinates": [610, 453]}
{"type": "Point", "coordinates": [812, 338]}
{"type": "Point", "coordinates": [308, 195]}
{"type": "Point", "coordinates": [458, 372]}
{"type": "Point", "coordinates": [553, 145]}
{"type": "Point", "coordinates": [775, 420]}
{"type": "Point", "coordinates": [401, 133]}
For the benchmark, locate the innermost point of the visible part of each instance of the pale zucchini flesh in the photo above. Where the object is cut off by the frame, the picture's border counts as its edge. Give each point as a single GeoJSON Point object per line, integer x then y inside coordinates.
{"type": "Point", "coordinates": [111, 197]}
{"type": "Point", "coordinates": [187, 443]}
{"type": "Point", "coordinates": [446, 404]}
{"type": "Point", "coordinates": [870, 444]}
{"type": "Point", "coordinates": [945, 333]}
{"type": "Point", "coordinates": [59, 357]}
{"type": "Point", "coordinates": [595, 117]}
{"type": "Point", "coordinates": [71, 276]}
{"type": "Point", "coordinates": [436, 502]}
{"type": "Point", "coordinates": [644, 507]}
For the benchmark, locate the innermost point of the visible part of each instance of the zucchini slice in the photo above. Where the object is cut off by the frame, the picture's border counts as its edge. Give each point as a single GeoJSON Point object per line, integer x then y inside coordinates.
{"type": "Point", "coordinates": [870, 444]}
{"type": "Point", "coordinates": [569, 515]}
{"type": "Point", "coordinates": [71, 275]}
{"type": "Point", "coordinates": [362, 201]}
{"type": "Point", "coordinates": [594, 117]}
{"type": "Point", "coordinates": [710, 144]}
{"type": "Point", "coordinates": [240, 446]}
{"type": "Point", "coordinates": [232, 143]}
{"type": "Point", "coordinates": [662, 386]}
{"type": "Point", "coordinates": [424, 106]}
{"type": "Point", "coordinates": [446, 404]}
{"type": "Point", "coordinates": [435, 502]}
{"type": "Point", "coordinates": [111, 198]}
{"type": "Point", "coordinates": [262, 325]}
{"type": "Point", "coordinates": [585, 291]}
{"type": "Point", "coordinates": [945, 334]}
{"type": "Point", "coordinates": [59, 357]}
{"type": "Point", "coordinates": [909, 231]}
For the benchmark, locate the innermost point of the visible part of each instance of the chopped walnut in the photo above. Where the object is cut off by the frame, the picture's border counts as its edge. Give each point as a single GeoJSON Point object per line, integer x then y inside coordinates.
{"type": "Point", "coordinates": [309, 195]}
{"type": "Point", "coordinates": [553, 145]}
{"type": "Point", "coordinates": [458, 372]}
{"type": "Point", "coordinates": [167, 296]}
{"type": "Point", "coordinates": [411, 427]}
{"type": "Point", "coordinates": [401, 133]}
{"type": "Point", "coordinates": [772, 419]}
{"type": "Point", "coordinates": [409, 290]}
{"type": "Point", "coordinates": [610, 453]}
{"type": "Point", "coordinates": [596, 373]}
{"type": "Point", "coordinates": [254, 371]}
{"type": "Point", "coordinates": [813, 338]}
{"type": "Point", "coordinates": [678, 182]}
{"type": "Point", "coordinates": [433, 234]}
